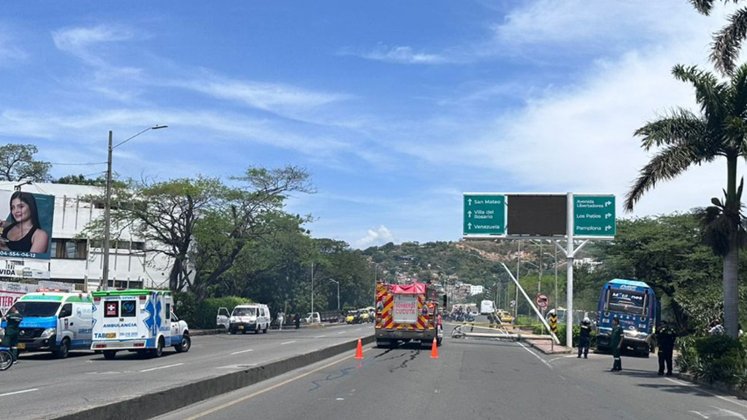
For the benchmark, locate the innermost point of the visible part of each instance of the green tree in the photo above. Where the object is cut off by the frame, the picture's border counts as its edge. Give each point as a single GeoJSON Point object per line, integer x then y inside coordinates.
{"type": "Point", "coordinates": [17, 163]}
{"type": "Point", "coordinates": [667, 253]}
{"type": "Point", "coordinates": [727, 41]}
{"type": "Point", "coordinates": [81, 180]}
{"type": "Point", "coordinates": [685, 139]}
{"type": "Point", "coordinates": [243, 214]}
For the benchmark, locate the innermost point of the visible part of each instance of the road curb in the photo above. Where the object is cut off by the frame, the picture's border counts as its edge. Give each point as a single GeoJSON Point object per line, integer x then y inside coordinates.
{"type": "Point", "coordinates": [558, 349]}
{"type": "Point", "coordinates": [163, 401]}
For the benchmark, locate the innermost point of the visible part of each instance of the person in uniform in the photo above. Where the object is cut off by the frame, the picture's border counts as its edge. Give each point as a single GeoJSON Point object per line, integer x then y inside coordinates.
{"type": "Point", "coordinates": [616, 344]}
{"type": "Point", "coordinates": [665, 337]}
{"type": "Point", "coordinates": [584, 338]}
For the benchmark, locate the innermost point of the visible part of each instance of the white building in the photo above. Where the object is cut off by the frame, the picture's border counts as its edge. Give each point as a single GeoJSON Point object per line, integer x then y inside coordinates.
{"type": "Point", "coordinates": [475, 290]}
{"type": "Point", "coordinates": [77, 260]}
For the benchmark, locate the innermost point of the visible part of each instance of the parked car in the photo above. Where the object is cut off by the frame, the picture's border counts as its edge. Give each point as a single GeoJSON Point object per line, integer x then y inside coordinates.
{"type": "Point", "coordinates": [352, 317]}
{"type": "Point", "coordinates": [313, 318]}
{"type": "Point", "coordinates": [505, 316]}
{"type": "Point", "coordinates": [364, 315]}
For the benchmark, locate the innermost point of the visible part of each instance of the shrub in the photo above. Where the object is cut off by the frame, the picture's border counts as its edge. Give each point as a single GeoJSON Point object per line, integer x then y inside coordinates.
{"type": "Point", "coordinates": [687, 359]}
{"type": "Point", "coordinates": [202, 314]}
{"type": "Point", "coordinates": [721, 359]}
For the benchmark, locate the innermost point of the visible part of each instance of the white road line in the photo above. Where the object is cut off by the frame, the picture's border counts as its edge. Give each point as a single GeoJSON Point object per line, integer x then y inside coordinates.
{"type": "Point", "coordinates": [721, 397]}
{"type": "Point", "coordinates": [242, 351]}
{"type": "Point", "coordinates": [19, 392]}
{"type": "Point", "coordinates": [161, 367]}
{"type": "Point", "coordinates": [320, 336]}
{"type": "Point", "coordinates": [536, 355]}
{"type": "Point", "coordinates": [288, 342]}
{"type": "Point", "coordinates": [341, 332]}
{"type": "Point", "coordinates": [241, 366]}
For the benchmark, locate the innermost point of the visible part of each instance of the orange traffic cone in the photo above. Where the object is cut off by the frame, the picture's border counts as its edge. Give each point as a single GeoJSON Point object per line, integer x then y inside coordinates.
{"type": "Point", "coordinates": [359, 350]}
{"type": "Point", "coordinates": [434, 349]}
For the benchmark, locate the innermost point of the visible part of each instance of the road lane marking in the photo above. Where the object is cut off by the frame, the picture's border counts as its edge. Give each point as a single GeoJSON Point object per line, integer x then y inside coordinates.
{"type": "Point", "coordinates": [320, 336]}
{"type": "Point", "coordinates": [161, 367]}
{"type": "Point", "coordinates": [19, 392]}
{"type": "Point", "coordinates": [341, 332]}
{"type": "Point", "coordinates": [242, 351]}
{"type": "Point", "coordinates": [241, 366]}
{"type": "Point", "coordinates": [269, 388]}
{"type": "Point", "coordinates": [721, 397]}
{"type": "Point", "coordinates": [288, 342]}
{"type": "Point", "coordinates": [536, 355]}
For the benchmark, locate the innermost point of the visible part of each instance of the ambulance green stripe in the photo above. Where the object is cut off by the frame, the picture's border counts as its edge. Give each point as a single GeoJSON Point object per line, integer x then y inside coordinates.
{"type": "Point", "coordinates": [129, 292]}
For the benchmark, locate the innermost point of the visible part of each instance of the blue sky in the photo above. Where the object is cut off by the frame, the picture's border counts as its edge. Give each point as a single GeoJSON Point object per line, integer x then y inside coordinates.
{"type": "Point", "coordinates": [394, 108]}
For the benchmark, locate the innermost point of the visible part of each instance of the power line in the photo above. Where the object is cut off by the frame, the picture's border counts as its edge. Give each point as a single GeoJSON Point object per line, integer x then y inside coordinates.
{"type": "Point", "coordinates": [77, 164]}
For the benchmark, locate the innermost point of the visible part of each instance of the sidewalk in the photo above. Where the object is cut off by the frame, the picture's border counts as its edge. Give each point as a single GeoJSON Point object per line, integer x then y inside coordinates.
{"type": "Point", "coordinates": [548, 347]}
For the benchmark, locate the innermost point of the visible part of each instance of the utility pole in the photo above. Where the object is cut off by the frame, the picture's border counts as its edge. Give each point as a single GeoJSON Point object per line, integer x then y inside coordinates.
{"type": "Point", "coordinates": [108, 202]}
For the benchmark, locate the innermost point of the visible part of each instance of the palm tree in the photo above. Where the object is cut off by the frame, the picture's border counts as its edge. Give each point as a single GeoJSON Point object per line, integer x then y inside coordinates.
{"type": "Point", "coordinates": [685, 139]}
{"type": "Point", "coordinates": [727, 41]}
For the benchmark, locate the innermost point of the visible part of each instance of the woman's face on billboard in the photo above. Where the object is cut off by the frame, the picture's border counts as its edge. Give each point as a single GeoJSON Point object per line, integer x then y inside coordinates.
{"type": "Point", "coordinates": [20, 210]}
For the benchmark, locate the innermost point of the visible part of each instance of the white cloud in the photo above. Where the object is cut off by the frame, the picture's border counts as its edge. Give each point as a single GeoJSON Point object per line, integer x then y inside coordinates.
{"type": "Point", "coordinates": [402, 55]}
{"type": "Point", "coordinates": [9, 51]}
{"type": "Point", "coordinates": [266, 96]}
{"type": "Point", "coordinates": [375, 237]}
{"type": "Point", "coordinates": [82, 40]}
{"type": "Point", "coordinates": [605, 21]}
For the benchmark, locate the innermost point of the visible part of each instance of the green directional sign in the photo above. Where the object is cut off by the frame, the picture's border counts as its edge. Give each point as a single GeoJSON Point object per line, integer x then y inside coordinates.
{"type": "Point", "coordinates": [594, 215]}
{"type": "Point", "coordinates": [484, 214]}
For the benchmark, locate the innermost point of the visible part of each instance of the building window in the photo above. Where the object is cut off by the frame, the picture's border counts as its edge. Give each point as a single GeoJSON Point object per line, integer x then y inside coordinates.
{"type": "Point", "coordinates": [68, 249]}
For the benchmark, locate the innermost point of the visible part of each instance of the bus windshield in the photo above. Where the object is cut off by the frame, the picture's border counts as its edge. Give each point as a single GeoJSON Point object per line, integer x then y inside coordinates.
{"type": "Point", "coordinates": [626, 301]}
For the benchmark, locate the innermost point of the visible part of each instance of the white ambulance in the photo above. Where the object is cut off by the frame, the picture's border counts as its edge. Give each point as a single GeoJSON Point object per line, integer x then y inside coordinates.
{"type": "Point", "coordinates": [54, 321]}
{"type": "Point", "coordinates": [137, 320]}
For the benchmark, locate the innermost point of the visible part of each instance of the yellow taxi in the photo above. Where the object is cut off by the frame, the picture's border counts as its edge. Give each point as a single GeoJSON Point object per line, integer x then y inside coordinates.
{"type": "Point", "coordinates": [505, 316]}
{"type": "Point", "coordinates": [352, 317]}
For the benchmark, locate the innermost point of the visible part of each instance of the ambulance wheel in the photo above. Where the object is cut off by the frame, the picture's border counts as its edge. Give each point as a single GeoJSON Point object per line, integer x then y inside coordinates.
{"type": "Point", "coordinates": [158, 351]}
{"type": "Point", "coordinates": [63, 349]}
{"type": "Point", "coordinates": [264, 330]}
{"type": "Point", "coordinates": [256, 329]}
{"type": "Point", "coordinates": [109, 354]}
{"type": "Point", "coordinates": [185, 344]}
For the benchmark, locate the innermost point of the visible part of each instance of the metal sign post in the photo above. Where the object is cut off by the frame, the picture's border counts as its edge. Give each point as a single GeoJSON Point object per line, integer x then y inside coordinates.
{"type": "Point", "coordinates": [518, 287]}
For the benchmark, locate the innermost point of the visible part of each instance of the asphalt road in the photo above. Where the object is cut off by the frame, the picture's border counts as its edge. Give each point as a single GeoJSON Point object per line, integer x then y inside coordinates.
{"type": "Point", "coordinates": [40, 386]}
{"type": "Point", "coordinates": [472, 379]}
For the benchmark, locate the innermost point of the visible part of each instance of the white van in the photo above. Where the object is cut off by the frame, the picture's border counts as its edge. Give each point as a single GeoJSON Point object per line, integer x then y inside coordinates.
{"type": "Point", "coordinates": [249, 317]}
{"type": "Point", "coordinates": [487, 307]}
{"type": "Point", "coordinates": [313, 318]}
{"type": "Point", "coordinates": [55, 321]}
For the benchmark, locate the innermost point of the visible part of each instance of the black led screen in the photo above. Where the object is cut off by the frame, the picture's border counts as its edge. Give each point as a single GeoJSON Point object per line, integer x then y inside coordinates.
{"type": "Point", "coordinates": [536, 215]}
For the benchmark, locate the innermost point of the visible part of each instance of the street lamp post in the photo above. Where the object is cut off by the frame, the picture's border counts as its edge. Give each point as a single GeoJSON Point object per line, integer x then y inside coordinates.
{"type": "Point", "coordinates": [338, 292]}
{"type": "Point", "coordinates": [107, 202]}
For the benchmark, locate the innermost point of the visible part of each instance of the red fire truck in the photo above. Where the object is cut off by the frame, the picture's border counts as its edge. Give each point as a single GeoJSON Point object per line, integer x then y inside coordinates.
{"type": "Point", "coordinates": [408, 312]}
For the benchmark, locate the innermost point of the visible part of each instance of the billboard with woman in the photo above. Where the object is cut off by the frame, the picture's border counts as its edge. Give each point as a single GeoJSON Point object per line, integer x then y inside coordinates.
{"type": "Point", "coordinates": [26, 232]}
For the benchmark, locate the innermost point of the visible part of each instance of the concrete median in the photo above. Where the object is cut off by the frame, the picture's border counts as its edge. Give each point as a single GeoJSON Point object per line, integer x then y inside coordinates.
{"type": "Point", "coordinates": [163, 401]}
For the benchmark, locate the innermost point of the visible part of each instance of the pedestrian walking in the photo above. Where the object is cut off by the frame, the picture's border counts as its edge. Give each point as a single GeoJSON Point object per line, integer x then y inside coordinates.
{"type": "Point", "coordinates": [281, 319]}
{"type": "Point", "coordinates": [584, 338]}
{"type": "Point", "coordinates": [297, 320]}
{"type": "Point", "coordinates": [616, 343]}
{"type": "Point", "coordinates": [665, 338]}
